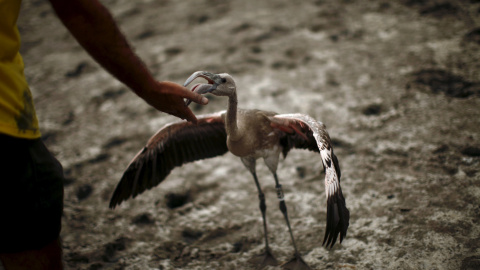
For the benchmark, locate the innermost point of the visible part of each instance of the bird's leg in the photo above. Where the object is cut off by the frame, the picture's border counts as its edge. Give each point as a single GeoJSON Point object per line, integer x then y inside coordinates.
{"type": "Point", "coordinates": [267, 258]}
{"type": "Point", "coordinates": [283, 208]}
{"type": "Point", "coordinates": [297, 263]}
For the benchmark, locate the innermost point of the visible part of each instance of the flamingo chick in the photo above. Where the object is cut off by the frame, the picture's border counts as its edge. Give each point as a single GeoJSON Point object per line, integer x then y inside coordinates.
{"type": "Point", "coordinates": [250, 135]}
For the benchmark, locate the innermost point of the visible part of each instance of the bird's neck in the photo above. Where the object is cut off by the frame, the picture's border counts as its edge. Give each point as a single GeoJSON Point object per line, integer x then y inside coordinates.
{"type": "Point", "coordinates": [231, 119]}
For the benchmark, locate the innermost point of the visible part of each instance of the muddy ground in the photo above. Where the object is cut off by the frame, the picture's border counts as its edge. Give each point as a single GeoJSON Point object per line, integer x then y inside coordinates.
{"type": "Point", "coordinates": [396, 82]}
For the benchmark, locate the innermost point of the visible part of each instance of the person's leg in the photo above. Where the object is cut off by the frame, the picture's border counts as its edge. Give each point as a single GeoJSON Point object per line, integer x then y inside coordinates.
{"type": "Point", "coordinates": [31, 205]}
{"type": "Point", "coordinates": [48, 257]}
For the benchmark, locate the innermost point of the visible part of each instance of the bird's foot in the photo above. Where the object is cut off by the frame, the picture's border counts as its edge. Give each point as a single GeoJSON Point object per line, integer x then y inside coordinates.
{"type": "Point", "coordinates": [264, 260]}
{"type": "Point", "coordinates": [297, 263]}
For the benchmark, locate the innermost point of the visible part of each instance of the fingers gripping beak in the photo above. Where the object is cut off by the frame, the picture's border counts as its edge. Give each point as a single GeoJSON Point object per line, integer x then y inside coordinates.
{"type": "Point", "coordinates": [213, 79]}
{"type": "Point", "coordinates": [201, 88]}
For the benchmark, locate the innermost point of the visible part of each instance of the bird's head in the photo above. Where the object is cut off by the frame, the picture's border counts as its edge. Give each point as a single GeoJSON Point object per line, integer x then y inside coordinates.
{"type": "Point", "coordinates": [218, 84]}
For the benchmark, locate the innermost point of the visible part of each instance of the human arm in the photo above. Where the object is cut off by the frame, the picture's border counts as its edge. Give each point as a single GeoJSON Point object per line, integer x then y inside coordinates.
{"type": "Point", "coordinates": [95, 29]}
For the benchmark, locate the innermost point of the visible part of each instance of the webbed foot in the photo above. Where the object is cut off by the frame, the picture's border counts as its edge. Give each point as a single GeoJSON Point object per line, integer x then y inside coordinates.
{"type": "Point", "coordinates": [264, 260]}
{"type": "Point", "coordinates": [297, 263]}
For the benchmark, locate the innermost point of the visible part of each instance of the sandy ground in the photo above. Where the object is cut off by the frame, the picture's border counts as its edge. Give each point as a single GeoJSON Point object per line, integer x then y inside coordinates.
{"type": "Point", "coordinates": [396, 82]}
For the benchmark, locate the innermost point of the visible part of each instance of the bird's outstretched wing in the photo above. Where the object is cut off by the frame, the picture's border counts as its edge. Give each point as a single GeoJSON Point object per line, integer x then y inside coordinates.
{"type": "Point", "coordinates": [302, 131]}
{"type": "Point", "coordinates": [173, 145]}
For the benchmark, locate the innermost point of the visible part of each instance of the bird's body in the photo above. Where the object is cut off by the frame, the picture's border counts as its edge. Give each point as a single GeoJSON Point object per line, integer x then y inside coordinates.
{"type": "Point", "coordinates": [256, 138]}
{"type": "Point", "coordinates": [250, 135]}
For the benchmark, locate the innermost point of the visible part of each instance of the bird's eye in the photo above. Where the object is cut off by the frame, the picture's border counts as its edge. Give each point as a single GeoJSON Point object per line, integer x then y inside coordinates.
{"type": "Point", "coordinates": [224, 80]}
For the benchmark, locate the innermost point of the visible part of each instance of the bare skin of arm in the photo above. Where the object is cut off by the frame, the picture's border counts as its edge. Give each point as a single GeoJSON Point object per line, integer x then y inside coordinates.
{"type": "Point", "coordinates": [95, 29]}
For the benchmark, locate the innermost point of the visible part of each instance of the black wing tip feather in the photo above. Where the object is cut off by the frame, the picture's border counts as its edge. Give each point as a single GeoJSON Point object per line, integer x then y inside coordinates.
{"type": "Point", "coordinates": [121, 192]}
{"type": "Point", "coordinates": [294, 140]}
{"type": "Point", "coordinates": [134, 179]}
{"type": "Point", "coordinates": [126, 188]}
{"type": "Point", "coordinates": [114, 204]}
{"type": "Point", "coordinates": [337, 166]}
{"type": "Point", "coordinates": [338, 218]}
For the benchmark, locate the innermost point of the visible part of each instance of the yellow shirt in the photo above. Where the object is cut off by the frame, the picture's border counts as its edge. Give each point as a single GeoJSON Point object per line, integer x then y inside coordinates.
{"type": "Point", "coordinates": [17, 113]}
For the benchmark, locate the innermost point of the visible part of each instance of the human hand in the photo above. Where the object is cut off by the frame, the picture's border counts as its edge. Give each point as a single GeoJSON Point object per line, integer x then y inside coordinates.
{"type": "Point", "coordinates": [168, 97]}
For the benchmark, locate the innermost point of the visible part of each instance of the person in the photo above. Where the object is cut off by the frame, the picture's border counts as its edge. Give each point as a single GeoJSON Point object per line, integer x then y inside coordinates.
{"type": "Point", "coordinates": [31, 182]}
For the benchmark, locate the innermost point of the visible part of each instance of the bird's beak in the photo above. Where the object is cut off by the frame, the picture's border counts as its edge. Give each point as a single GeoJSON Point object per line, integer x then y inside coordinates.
{"type": "Point", "coordinates": [201, 88]}
{"type": "Point", "coordinates": [213, 81]}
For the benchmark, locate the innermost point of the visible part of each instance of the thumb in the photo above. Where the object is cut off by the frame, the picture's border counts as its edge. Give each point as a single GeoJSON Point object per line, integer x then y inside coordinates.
{"type": "Point", "coordinates": [197, 98]}
{"type": "Point", "coordinates": [184, 92]}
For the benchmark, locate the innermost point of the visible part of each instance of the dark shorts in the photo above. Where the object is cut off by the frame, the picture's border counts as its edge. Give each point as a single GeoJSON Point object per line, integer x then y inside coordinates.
{"type": "Point", "coordinates": [31, 195]}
